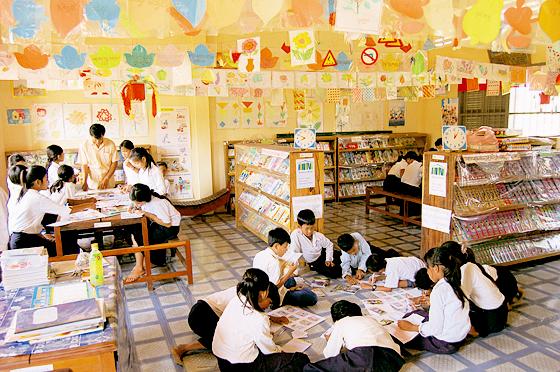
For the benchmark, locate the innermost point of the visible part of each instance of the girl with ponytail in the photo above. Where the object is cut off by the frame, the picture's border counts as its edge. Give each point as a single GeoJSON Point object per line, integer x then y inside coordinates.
{"type": "Point", "coordinates": [164, 221]}
{"type": "Point", "coordinates": [55, 156]}
{"type": "Point", "coordinates": [14, 184]}
{"type": "Point", "coordinates": [148, 172]}
{"type": "Point", "coordinates": [64, 190]}
{"type": "Point", "coordinates": [243, 340]}
{"type": "Point", "coordinates": [446, 326]}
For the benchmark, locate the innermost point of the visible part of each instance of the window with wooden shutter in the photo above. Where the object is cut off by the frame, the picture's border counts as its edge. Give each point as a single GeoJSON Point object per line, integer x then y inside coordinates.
{"type": "Point", "coordinates": [477, 109]}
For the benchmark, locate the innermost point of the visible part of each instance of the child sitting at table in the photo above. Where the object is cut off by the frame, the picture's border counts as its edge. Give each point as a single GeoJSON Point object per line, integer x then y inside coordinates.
{"type": "Point", "coordinates": [14, 184]}
{"type": "Point", "coordinates": [130, 172]}
{"type": "Point", "coordinates": [148, 172]}
{"type": "Point", "coordinates": [163, 168]}
{"type": "Point", "coordinates": [164, 224]}
{"type": "Point", "coordinates": [55, 157]}
{"type": "Point", "coordinates": [64, 189]}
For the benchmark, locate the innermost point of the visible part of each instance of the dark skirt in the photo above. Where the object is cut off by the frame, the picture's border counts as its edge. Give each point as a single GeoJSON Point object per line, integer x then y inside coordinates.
{"type": "Point", "coordinates": [507, 284]}
{"type": "Point", "coordinates": [284, 362]}
{"type": "Point", "coordinates": [22, 240]}
{"type": "Point", "coordinates": [157, 234]}
{"type": "Point", "coordinates": [319, 266]}
{"type": "Point", "coordinates": [359, 359]}
{"type": "Point", "coordinates": [203, 321]}
{"type": "Point", "coordinates": [431, 343]}
{"type": "Point", "coordinates": [486, 322]}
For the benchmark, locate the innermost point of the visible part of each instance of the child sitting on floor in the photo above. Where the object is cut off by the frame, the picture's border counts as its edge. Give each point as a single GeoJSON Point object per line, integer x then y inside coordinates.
{"type": "Point", "coordinates": [445, 327]}
{"type": "Point", "coordinates": [316, 248]}
{"type": "Point", "coordinates": [355, 252]}
{"type": "Point", "coordinates": [397, 272]}
{"type": "Point", "coordinates": [357, 343]}
{"type": "Point", "coordinates": [281, 272]}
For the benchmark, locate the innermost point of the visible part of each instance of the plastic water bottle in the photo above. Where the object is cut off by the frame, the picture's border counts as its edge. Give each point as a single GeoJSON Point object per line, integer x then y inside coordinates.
{"type": "Point", "coordinates": [95, 266]}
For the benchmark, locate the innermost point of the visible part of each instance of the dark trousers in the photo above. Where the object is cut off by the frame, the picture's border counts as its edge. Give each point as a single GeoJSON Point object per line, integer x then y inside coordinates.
{"type": "Point", "coordinates": [285, 362]}
{"type": "Point", "coordinates": [23, 240]}
{"type": "Point", "coordinates": [301, 297]}
{"type": "Point", "coordinates": [203, 321]}
{"type": "Point", "coordinates": [319, 266]}
{"type": "Point", "coordinates": [391, 183]}
{"type": "Point", "coordinates": [359, 359]}
{"type": "Point", "coordinates": [507, 284]}
{"type": "Point", "coordinates": [486, 322]}
{"type": "Point", "coordinates": [158, 235]}
{"type": "Point", "coordinates": [431, 343]}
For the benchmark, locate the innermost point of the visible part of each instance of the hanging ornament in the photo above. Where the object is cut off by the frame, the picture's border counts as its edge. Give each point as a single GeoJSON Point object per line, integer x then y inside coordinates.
{"type": "Point", "coordinates": [135, 90]}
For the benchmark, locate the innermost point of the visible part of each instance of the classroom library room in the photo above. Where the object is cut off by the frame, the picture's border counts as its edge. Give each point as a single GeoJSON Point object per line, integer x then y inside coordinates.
{"type": "Point", "coordinates": [279, 185]}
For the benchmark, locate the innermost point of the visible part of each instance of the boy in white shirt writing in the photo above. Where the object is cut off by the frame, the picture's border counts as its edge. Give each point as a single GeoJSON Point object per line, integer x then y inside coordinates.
{"type": "Point", "coordinates": [355, 252]}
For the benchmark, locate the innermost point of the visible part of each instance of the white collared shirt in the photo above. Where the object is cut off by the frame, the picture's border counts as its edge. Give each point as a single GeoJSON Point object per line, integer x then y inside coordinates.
{"type": "Point", "coordinates": [358, 260]}
{"type": "Point", "coordinates": [99, 160]}
{"type": "Point", "coordinates": [413, 174]}
{"type": "Point", "coordinates": [4, 234]}
{"type": "Point", "coordinates": [397, 168]}
{"type": "Point", "coordinates": [311, 249]}
{"type": "Point", "coordinates": [241, 332]}
{"type": "Point", "coordinates": [479, 289]}
{"type": "Point", "coordinates": [401, 268]}
{"type": "Point", "coordinates": [269, 262]}
{"type": "Point", "coordinates": [491, 270]}
{"type": "Point", "coordinates": [13, 188]}
{"type": "Point", "coordinates": [52, 173]}
{"type": "Point", "coordinates": [26, 214]}
{"type": "Point", "coordinates": [152, 177]}
{"type": "Point", "coordinates": [68, 191]}
{"type": "Point", "coordinates": [358, 331]}
{"type": "Point", "coordinates": [131, 176]}
{"type": "Point", "coordinates": [163, 210]}
{"type": "Point", "coordinates": [449, 319]}
{"type": "Point", "coordinates": [219, 300]}
{"type": "Point", "coordinates": [167, 186]}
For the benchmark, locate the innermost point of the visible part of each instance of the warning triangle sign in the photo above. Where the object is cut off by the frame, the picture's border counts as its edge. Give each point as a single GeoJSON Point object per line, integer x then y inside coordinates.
{"type": "Point", "coordinates": [329, 60]}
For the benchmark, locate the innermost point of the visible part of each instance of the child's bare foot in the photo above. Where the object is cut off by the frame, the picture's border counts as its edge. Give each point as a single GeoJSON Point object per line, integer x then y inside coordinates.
{"type": "Point", "coordinates": [473, 332]}
{"type": "Point", "coordinates": [180, 350]}
{"type": "Point", "coordinates": [135, 274]}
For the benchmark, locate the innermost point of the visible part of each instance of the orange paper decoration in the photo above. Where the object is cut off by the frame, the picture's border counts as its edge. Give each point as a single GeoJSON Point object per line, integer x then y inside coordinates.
{"type": "Point", "coordinates": [409, 8]}
{"type": "Point", "coordinates": [6, 17]}
{"type": "Point", "coordinates": [518, 74]}
{"type": "Point", "coordinates": [319, 65]}
{"type": "Point", "coordinates": [66, 15]}
{"type": "Point", "coordinates": [267, 59]}
{"type": "Point", "coordinates": [32, 58]}
{"type": "Point", "coordinates": [135, 90]}
{"type": "Point", "coordinates": [305, 13]}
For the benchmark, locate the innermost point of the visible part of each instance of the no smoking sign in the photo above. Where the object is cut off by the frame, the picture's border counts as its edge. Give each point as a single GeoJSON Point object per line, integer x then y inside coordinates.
{"type": "Point", "coordinates": [369, 56]}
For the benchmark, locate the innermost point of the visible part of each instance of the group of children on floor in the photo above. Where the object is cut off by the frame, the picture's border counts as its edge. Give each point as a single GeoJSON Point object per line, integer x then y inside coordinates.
{"type": "Point", "coordinates": [460, 297]}
{"type": "Point", "coordinates": [39, 196]}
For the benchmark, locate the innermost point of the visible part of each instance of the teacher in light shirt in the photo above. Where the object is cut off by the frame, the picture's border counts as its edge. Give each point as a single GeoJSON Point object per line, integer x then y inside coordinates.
{"type": "Point", "coordinates": [98, 156]}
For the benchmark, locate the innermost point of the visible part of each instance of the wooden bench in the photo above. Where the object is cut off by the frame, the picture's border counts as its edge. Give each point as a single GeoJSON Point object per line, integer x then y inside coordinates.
{"type": "Point", "coordinates": [149, 278]}
{"type": "Point", "coordinates": [193, 208]}
{"type": "Point", "coordinates": [383, 208]}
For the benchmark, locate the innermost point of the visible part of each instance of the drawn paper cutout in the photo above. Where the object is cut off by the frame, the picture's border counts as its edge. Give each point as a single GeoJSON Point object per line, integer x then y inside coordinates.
{"type": "Point", "coordinates": [8, 66]}
{"type": "Point", "coordinates": [327, 80]}
{"type": "Point", "coordinates": [304, 13]}
{"type": "Point", "coordinates": [302, 47]}
{"type": "Point", "coordinates": [483, 20]}
{"type": "Point", "coordinates": [105, 12]}
{"type": "Point", "coordinates": [28, 16]}
{"type": "Point", "coordinates": [519, 19]}
{"type": "Point", "coordinates": [409, 8]}
{"type": "Point", "coordinates": [105, 59]}
{"type": "Point", "coordinates": [228, 113]}
{"type": "Point", "coordinates": [32, 58]}
{"type": "Point", "coordinates": [69, 58]}
{"type": "Point", "coordinates": [108, 115]}
{"type": "Point", "coordinates": [347, 80]}
{"type": "Point", "coordinates": [311, 116]}
{"type": "Point", "coordinates": [329, 60]}
{"type": "Point", "coordinates": [549, 19]}
{"type": "Point", "coordinates": [139, 58]}
{"type": "Point", "coordinates": [360, 16]}
{"type": "Point", "coordinates": [170, 56]}
{"type": "Point", "coordinates": [267, 9]}
{"type": "Point", "coordinates": [77, 119]}
{"type": "Point", "coordinates": [395, 43]}
{"type": "Point", "coordinates": [47, 122]}
{"type": "Point", "coordinates": [282, 79]}
{"type": "Point", "coordinates": [222, 13]}
{"type": "Point", "coordinates": [250, 58]}
{"type": "Point", "coordinates": [343, 62]}
{"type": "Point", "coordinates": [420, 63]}
{"type": "Point", "coordinates": [276, 115]}
{"type": "Point", "coordinates": [367, 79]}
{"type": "Point", "coordinates": [391, 62]}
{"type": "Point", "coordinates": [66, 15]}
{"type": "Point", "coordinates": [134, 124]}
{"type": "Point", "coordinates": [285, 48]}
{"type": "Point", "coordinates": [260, 79]}
{"type": "Point", "coordinates": [201, 56]}
{"type": "Point", "coordinates": [193, 11]}
{"type": "Point", "coordinates": [252, 113]}
{"type": "Point", "coordinates": [267, 59]}
{"type": "Point", "coordinates": [318, 66]}
{"type": "Point", "coordinates": [299, 99]}
{"type": "Point", "coordinates": [18, 116]}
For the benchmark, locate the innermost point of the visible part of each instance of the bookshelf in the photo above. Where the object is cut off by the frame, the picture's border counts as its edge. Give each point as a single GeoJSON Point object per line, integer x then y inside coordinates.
{"type": "Point", "coordinates": [505, 206]}
{"type": "Point", "coordinates": [229, 167]}
{"type": "Point", "coordinates": [266, 182]}
{"type": "Point", "coordinates": [363, 160]}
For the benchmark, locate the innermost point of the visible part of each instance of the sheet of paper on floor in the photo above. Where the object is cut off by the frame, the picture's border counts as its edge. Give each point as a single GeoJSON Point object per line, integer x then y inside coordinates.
{"type": "Point", "coordinates": [299, 319]}
{"type": "Point", "coordinates": [295, 345]}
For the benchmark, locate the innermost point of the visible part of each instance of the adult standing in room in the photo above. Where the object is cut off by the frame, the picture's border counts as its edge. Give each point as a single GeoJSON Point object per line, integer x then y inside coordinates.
{"type": "Point", "coordinates": [98, 156]}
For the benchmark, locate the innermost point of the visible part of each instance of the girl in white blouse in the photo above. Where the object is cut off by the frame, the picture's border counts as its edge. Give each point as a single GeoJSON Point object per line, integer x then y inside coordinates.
{"type": "Point", "coordinates": [14, 186]}
{"type": "Point", "coordinates": [243, 340]}
{"type": "Point", "coordinates": [130, 172]}
{"type": "Point", "coordinates": [63, 190]}
{"type": "Point", "coordinates": [448, 323]}
{"type": "Point", "coordinates": [148, 172]}
{"type": "Point", "coordinates": [55, 156]}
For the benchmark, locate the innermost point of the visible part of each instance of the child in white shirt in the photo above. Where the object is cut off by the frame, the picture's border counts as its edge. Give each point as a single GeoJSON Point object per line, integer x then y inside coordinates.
{"type": "Point", "coordinates": [55, 157]}
{"type": "Point", "coordinates": [243, 340]}
{"type": "Point", "coordinates": [367, 345]}
{"type": "Point", "coordinates": [130, 172]}
{"type": "Point", "coordinates": [317, 250]}
{"type": "Point", "coordinates": [281, 272]}
{"type": "Point", "coordinates": [447, 324]}
{"type": "Point", "coordinates": [355, 252]}
{"type": "Point", "coordinates": [411, 179]}
{"type": "Point", "coordinates": [163, 168]}
{"type": "Point", "coordinates": [64, 190]}
{"type": "Point", "coordinates": [392, 181]}
{"type": "Point", "coordinates": [148, 172]}
{"type": "Point", "coordinates": [13, 181]}
{"type": "Point", "coordinates": [4, 235]}
{"type": "Point", "coordinates": [397, 272]}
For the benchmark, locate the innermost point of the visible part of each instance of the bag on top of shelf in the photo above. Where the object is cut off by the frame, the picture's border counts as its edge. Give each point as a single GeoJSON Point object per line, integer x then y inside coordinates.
{"type": "Point", "coordinates": [482, 139]}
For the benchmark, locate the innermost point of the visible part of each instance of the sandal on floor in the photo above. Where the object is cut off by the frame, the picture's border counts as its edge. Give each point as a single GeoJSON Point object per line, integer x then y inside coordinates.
{"type": "Point", "coordinates": [178, 359]}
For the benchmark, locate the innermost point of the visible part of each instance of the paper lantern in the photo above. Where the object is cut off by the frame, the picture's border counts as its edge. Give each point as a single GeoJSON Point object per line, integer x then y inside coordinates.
{"type": "Point", "coordinates": [135, 90]}
{"type": "Point", "coordinates": [482, 22]}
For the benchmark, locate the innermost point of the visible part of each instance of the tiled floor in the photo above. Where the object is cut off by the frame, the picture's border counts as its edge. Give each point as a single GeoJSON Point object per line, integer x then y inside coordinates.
{"type": "Point", "coordinates": [221, 253]}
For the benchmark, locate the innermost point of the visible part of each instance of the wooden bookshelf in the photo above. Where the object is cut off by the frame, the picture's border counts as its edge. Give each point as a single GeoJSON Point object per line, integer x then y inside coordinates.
{"type": "Point", "coordinates": [505, 206]}
{"type": "Point", "coordinates": [266, 182]}
{"type": "Point", "coordinates": [229, 168]}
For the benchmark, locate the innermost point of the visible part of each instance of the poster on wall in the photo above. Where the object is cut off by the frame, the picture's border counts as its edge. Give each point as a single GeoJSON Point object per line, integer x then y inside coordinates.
{"type": "Point", "coordinates": [47, 122]}
{"type": "Point", "coordinates": [228, 113]}
{"type": "Point", "coordinates": [450, 111]}
{"type": "Point", "coordinates": [173, 126]}
{"type": "Point", "coordinates": [180, 186]}
{"type": "Point", "coordinates": [252, 113]}
{"type": "Point", "coordinates": [107, 115]}
{"type": "Point", "coordinates": [342, 115]}
{"type": "Point", "coordinates": [311, 116]}
{"type": "Point", "coordinates": [20, 89]}
{"type": "Point", "coordinates": [135, 124]}
{"type": "Point", "coordinates": [18, 116]}
{"type": "Point", "coordinates": [397, 111]}
{"type": "Point", "coordinates": [305, 173]}
{"type": "Point", "coordinates": [77, 120]}
{"type": "Point", "coordinates": [276, 116]}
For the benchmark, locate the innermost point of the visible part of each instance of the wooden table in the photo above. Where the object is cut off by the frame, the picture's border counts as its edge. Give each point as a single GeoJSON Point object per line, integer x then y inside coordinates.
{"type": "Point", "coordinates": [91, 352]}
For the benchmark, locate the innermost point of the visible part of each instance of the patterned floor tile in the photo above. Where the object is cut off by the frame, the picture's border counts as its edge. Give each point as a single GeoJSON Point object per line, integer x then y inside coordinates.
{"type": "Point", "coordinates": [504, 343]}
{"type": "Point", "coordinates": [540, 362]}
{"type": "Point", "coordinates": [443, 363]}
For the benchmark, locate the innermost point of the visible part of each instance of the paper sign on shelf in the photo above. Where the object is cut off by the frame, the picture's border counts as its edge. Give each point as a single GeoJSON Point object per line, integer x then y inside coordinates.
{"type": "Point", "coordinates": [435, 218]}
{"type": "Point", "coordinates": [305, 173]}
{"type": "Point", "coordinates": [438, 179]}
{"type": "Point", "coordinates": [313, 202]}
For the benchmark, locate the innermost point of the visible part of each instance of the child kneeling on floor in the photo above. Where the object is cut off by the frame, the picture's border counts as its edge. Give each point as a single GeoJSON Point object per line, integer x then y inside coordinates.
{"type": "Point", "coordinates": [164, 224]}
{"type": "Point", "coordinates": [281, 272]}
{"type": "Point", "coordinates": [397, 272]}
{"type": "Point", "coordinates": [446, 326]}
{"type": "Point", "coordinates": [243, 340]}
{"type": "Point", "coordinates": [369, 347]}
{"type": "Point", "coordinates": [355, 253]}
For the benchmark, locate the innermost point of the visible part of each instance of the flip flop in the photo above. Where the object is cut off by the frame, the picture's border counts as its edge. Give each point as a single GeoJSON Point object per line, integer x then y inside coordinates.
{"type": "Point", "coordinates": [132, 278]}
{"type": "Point", "coordinates": [178, 358]}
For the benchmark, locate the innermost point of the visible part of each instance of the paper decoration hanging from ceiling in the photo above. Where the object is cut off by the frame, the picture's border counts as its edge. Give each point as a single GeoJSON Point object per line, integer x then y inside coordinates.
{"type": "Point", "coordinates": [237, 79]}
{"type": "Point", "coordinates": [549, 19]}
{"type": "Point", "coordinates": [267, 59]}
{"type": "Point", "coordinates": [311, 116]}
{"type": "Point", "coordinates": [428, 91]}
{"type": "Point", "coordinates": [410, 8]}
{"type": "Point", "coordinates": [250, 58]}
{"type": "Point", "coordinates": [105, 12]}
{"type": "Point", "coordinates": [139, 57]}
{"type": "Point", "coordinates": [482, 21]}
{"type": "Point", "coordinates": [445, 65]}
{"type": "Point", "coordinates": [482, 70]}
{"type": "Point", "coordinates": [439, 16]}
{"type": "Point", "coordinates": [222, 13]}
{"type": "Point", "coordinates": [32, 58]}
{"type": "Point", "coordinates": [420, 63]}
{"type": "Point", "coordinates": [252, 113]}
{"type": "Point", "coordinates": [8, 66]}
{"type": "Point", "coordinates": [28, 16]}
{"type": "Point", "coordinates": [282, 79]}
{"type": "Point", "coordinates": [66, 15]}
{"type": "Point", "coordinates": [368, 94]}
{"type": "Point", "coordinates": [342, 114]}
{"type": "Point", "coordinates": [329, 60]}
{"type": "Point", "coordinates": [304, 13]}
{"type": "Point", "coordinates": [359, 16]}
{"type": "Point", "coordinates": [552, 59]}
{"type": "Point", "coordinates": [267, 9]}
{"type": "Point", "coordinates": [357, 95]}
{"type": "Point", "coordinates": [500, 72]}
{"type": "Point", "coordinates": [105, 59]}
{"type": "Point", "coordinates": [519, 19]}
{"type": "Point", "coordinates": [343, 62]}
{"type": "Point", "coordinates": [276, 115]}
{"type": "Point", "coordinates": [69, 58]}
{"type": "Point", "coordinates": [403, 79]}
{"type": "Point", "coordinates": [333, 95]}
{"type": "Point", "coordinates": [492, 88]}
{"type": "Point", "coordinates": [201, 56]}
{"type": "Point", "coordinates": [465, 68]}
{"type": "Point", "coordinates": [6, 17]}
{"type": "Point", "coordinates": [188, 13]}
{"type": "Point", "coordinates": [327, 80]}
{"type": "Point", "coordinates": [318, 66]}
{"type": "Point", "coordinates": [305, 80]}
{"type": "Point", "coordinates": [391, 62]}
{"type": "Point", "coordinates": [170, 56]}
{"type": "Point", "coordinates": [302, 47]}
{"type": "Point", "coordinates": [518, 74]}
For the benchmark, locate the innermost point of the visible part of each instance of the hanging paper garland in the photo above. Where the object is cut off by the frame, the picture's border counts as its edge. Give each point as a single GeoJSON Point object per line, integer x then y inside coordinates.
{"type": "Point", "coordinates": [201, 56]}
{"type": "Point", "coordinates": [28, 16]}
{"type": "Point", "coordinates": [482, 22]}
{"type": "Point", "coordinates": [69, 58]}
{"type": "Point", "coordinates": [105, 12]}
{"type": "Point", "coordinates": [105, 59]}
{"type": "Point", "coordinates": [139, 58]}
{"type": "Point", "coordinates": [32, 58]}
{"type": "Point", "coordinates": [66, 15]}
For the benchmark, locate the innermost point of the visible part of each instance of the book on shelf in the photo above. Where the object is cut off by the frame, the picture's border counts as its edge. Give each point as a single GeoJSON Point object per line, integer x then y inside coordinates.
{"type": "Point", "coordinates": [277, 212]}
{"type": "Point", "coordinates": [329, 191]}
{"type": "Point", "coordinates": [351, 174]}
{"type": "Point", "coordinates": [258, 159]}
{"type": "Point", "coordinates": [376, 142]}
{"type": "Point", "coordinates": [324, 146]}
{"type": "Point", "coordinates": [269, 184]}
{"type": "Point", "coordinates": [356, 189]}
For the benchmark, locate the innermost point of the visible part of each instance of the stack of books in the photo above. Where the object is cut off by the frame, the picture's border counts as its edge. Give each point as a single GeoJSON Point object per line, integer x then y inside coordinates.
{"type": "Point", "coordinates": [27, 267]}
{"type": "Point", "coordinates": [58, 321]}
